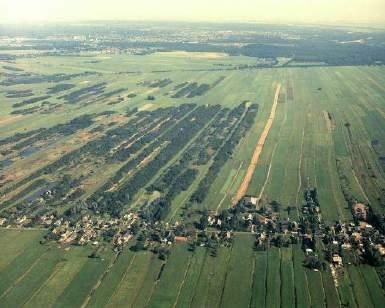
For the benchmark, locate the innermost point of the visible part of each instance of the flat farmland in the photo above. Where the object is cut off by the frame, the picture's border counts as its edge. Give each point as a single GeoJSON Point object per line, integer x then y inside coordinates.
{"type": "Point", "coordinates": [114, 134]}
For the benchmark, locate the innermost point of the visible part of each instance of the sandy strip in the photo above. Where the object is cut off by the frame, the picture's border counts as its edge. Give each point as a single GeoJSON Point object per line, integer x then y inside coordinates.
{"type": "Point", "coordinates": [258, 150]}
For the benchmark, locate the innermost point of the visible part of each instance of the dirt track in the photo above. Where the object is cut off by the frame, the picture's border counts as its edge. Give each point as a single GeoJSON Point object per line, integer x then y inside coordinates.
{"type": "Point", "coordinates": [258, 150]}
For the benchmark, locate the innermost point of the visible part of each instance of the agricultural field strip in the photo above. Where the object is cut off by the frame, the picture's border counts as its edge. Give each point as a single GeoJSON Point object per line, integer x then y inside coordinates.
{"type": "Point", "coordinates": [332, 166]}
{"type": "Point", "coordinates": [272, 157]}
{"type": "Point", "coordinates": [100, 280]}
{"type": "Point", "coordinates": [230, 186]}
{"type": "Point", "coordinates": [20, 278]}
{"type": "Point", "coordinates": [357, 159]}
{"type": "Point", "coordinates": [377, 128]}
{"type": "Point", "coordinates": [347, 146]}
{"type": "Point", "coordinates": [122, 279]}
{"type": "Point", "coordinates": [268, 173]}
{"type": "Point", "coordinates": [43, 285]}
{"type": "Point", "coordinates": [355, 150]}
{"type": "Point", "coordinates": [180, 287]}
{"type": "Point", "coordinates": [253, 163]}
{"type": "Point", "coordinates": [225, 277]}
{"type": "Point", "coordinates": [200, 269]}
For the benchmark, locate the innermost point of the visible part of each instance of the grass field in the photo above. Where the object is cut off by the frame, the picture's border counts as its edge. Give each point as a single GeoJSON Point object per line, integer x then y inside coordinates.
{"type": "Point", "coordinates": [238, 276]}
{"type": "Point", "coordinates": [327, 121]}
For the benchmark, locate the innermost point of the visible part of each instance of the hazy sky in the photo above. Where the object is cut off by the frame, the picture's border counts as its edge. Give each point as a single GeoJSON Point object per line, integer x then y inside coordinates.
{"type": "Point", "coordinates": [315, 11]}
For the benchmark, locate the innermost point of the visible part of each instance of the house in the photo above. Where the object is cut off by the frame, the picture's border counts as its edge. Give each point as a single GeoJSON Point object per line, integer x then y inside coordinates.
{"type": "Point", "coordinates": [3, 221]}
{"type": "Point", "coordinates": [251, 201]}
{"type": "Point", "coordinates": [308, 251]}
{"type": "Point", "coordinates": [364, 225]}
{"type": "Point", "coordinates": [68, 237]}
{"type": "Point", "coordinates": [180, 238]}
{"type": "Point", "coordinates": [360, 211]}
{"type": "Point", "coordinates": [21, 220]}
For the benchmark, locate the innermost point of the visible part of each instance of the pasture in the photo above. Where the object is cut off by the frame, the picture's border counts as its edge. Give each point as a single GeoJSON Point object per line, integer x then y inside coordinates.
{"type": "Point", "coordinates": [57, 277]}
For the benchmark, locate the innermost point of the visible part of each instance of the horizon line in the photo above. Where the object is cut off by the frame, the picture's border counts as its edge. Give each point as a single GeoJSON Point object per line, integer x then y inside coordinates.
{"type": "Point", "coordinates": [195, 21]}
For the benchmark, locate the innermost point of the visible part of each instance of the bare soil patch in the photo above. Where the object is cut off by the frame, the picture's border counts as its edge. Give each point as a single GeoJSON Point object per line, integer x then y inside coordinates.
{"type": "Point", "coordinates": [9, 119]}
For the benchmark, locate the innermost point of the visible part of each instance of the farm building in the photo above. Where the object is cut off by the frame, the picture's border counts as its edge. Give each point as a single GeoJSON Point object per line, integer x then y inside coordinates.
{"type": "Point", "coordinates": [360, 211]}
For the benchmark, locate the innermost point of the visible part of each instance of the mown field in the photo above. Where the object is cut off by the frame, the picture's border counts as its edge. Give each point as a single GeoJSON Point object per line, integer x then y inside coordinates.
{"type": "Point", "coordinates": [329, 132]}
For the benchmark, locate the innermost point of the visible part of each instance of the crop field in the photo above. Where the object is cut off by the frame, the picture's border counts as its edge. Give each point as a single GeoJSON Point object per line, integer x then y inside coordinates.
{"type": "Point", "coordinates": [172, 135]}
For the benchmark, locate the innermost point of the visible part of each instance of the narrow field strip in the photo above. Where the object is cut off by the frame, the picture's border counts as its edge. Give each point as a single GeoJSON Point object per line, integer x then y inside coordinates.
{"type": "Point", "coordinates": [43, 285]}
{"type": "Point", "coordinates": [258, 150]}
{"type": "Point", "coordinates": [230, 186]}
{"type": "Point", "coordinates": [268, 174]}
{"type": "Point", "coordinates": [22, 276]}
{"type": "Point", "coordinates": [123, 278]}
{"type": "Point", "coordinates": [99, 282]}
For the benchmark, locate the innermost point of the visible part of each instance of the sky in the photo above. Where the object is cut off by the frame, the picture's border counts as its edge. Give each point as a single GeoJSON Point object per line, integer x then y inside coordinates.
{"type": "Point", "coordinates": [301, 11]}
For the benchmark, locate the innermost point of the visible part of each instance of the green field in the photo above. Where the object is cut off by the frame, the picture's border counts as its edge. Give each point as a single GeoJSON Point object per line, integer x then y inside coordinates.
{"type": "Point", "coordinates": [328, 132]}
{"type": "Point", "coordinates": [237, 277]}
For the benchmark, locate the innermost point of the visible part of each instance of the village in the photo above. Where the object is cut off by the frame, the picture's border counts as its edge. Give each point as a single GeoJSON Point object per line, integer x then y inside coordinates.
{"type": "Point", "coordinates": [339, 243]}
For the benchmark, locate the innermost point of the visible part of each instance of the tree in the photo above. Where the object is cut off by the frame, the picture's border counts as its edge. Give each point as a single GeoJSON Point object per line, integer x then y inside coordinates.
{"type": "Point", "coordinates": [371, 255]}
{"type": "Point", "coordinates": [203, 221]}
{"type": "Point", "coordinates": [163, 253]}
{"type": "Point", "coordinates": [313, 263]}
